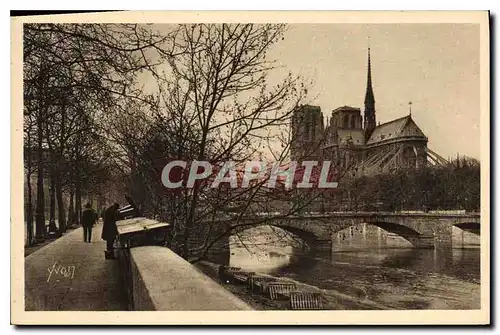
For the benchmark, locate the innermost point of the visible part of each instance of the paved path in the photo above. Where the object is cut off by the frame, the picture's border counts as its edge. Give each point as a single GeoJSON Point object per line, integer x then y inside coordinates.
{"type": "Point", "coordinates": [71, 275]}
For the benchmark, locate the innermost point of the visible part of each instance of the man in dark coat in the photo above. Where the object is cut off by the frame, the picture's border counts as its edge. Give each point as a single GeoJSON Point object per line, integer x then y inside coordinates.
{"type": "Point", "coordinates": [109, 229]}
{"type": "Point", "coordinates": [88, 219]}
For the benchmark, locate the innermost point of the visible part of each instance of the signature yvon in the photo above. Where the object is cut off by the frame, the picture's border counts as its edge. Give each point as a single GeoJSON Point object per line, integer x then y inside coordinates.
{"type": "Point", "coordinates": [64, 271]}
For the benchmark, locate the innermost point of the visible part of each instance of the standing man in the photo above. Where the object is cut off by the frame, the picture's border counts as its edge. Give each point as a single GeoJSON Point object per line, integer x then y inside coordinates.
{"type": "Point", "coordinates": [109, 229]}
{"type": "Point", "coordinates": [88, 219]}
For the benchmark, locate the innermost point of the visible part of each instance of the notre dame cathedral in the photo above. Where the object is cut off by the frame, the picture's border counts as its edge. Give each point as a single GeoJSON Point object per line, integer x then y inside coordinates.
{"type": "Point", "coordinates": [357, 142]}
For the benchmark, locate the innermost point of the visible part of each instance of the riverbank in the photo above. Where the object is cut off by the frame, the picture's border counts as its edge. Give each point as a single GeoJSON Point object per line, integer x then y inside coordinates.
{"type": "Point", "coordinates": [382, 293]}
{"type": "Point", "coordinates": [389, 278]}
{"type": "Point", "coordinates": [331, 299]}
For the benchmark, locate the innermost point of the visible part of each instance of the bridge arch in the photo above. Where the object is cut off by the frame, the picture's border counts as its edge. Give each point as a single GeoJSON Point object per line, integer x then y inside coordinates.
{"type": "Point", "coordinates": [409, 234]}
{"type": "Point", "coordinates": [315, 237]}
{"type": "Point", "coordinates": [305, 236]}
{"type": "Point", "coordinates": [471, 227]}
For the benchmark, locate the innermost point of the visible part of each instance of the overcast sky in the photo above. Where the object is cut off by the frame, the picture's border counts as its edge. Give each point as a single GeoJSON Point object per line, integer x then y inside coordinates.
{"type": "Point", "coordinates": [436, 66]}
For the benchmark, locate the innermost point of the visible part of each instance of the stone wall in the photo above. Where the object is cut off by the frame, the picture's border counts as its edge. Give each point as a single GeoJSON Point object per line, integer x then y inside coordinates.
{"type": "Point", "coordinates": [163, 281]}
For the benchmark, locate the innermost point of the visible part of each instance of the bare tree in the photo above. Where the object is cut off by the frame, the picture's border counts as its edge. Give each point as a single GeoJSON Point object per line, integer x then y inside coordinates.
{"type": "Point", "coordinates": [73, 73]}
{"type": "Point", "coordinates": [216, 103]}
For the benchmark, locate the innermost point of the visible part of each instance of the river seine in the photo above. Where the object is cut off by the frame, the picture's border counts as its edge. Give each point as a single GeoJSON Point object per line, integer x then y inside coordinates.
{"type": "Point", "coordinates": [392, 278]}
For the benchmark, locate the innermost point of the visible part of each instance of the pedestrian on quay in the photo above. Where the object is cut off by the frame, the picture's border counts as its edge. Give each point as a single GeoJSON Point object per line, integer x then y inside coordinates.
{"type": "Point", "coordinates": [109, 229]}
{"type": "Point", "coordinates": [88, 219]}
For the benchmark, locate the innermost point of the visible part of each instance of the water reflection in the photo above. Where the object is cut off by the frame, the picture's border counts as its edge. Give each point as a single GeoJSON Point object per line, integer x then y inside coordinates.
{"type": "Point", "coordinates": [460, 263]}
{"type": "Point", "coordinates": [262, 259]}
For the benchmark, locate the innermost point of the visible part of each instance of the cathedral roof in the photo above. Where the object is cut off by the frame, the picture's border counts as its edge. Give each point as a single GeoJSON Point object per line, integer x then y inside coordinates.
{"type": "Point", "coordinates": [394, 129]}
{"type": "Point", "coordinates": [357, 136]}
{"type": "Point", "coordinates": [345, 109]}
{"type": "Point", "coordinates": [309, 107]}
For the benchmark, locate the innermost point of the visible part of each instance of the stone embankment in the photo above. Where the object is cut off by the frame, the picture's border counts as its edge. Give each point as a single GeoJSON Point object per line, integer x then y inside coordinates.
{"type": "Point", "coordinates": [265, 292]}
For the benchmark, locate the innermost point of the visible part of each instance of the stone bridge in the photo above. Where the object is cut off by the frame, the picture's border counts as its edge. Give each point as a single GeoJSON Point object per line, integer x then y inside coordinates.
{"type": "Point", "coordinates": [422, 230]}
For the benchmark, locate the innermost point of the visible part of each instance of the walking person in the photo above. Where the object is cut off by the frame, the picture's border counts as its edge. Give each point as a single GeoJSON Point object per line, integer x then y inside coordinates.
{"type": "Point", "coordinates": [109, 229]}
{"type": "Point", "coordinates": [88, 219]}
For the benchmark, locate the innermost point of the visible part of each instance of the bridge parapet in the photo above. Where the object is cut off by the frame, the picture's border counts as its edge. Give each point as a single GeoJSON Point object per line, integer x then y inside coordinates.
{"type": "Point", "coordinates": [475, 217]}
{"type": "Point", "coordinates": [163, 281]}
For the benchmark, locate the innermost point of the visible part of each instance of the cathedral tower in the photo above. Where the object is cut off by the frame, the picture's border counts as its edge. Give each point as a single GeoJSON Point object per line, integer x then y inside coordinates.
{"type": "Point", "coordinates": [370, 121]}
{"type": "Point", "coordinates": [307, 133]}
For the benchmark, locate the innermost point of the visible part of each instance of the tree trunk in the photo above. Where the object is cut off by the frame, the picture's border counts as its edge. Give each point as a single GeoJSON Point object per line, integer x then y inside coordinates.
{"type": "Point", "coordinates": [60, 204]}
{"type": "Point", "coordinates": [40, 199]}
{"type": "Point", "coordinates": [78, 198]}
{"type": "Point", "coordinates": [40, 196]}
{"type": "Point", "coordinates": [29, 213]}
{"type": "Point", "coordinates": [29, 203]}
{"type": "Point", "coordinates": [71, 209]}
{"type": "Point", "coordinates": [59, 190]}
{"type": "Point", "coordinates": [52, 211]}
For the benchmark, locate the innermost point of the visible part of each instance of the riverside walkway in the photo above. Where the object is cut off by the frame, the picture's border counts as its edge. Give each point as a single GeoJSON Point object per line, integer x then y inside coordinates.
{"type": "Point", "coordinates": [71, 275]}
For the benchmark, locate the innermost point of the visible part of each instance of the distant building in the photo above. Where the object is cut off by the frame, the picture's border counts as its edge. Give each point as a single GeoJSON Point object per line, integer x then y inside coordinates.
{"type": "Point", "coordinates": [355, 141]}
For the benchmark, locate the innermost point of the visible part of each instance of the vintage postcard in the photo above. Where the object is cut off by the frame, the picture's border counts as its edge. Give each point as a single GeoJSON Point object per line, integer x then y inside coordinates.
{"type": "Point", "coordinates": [251, 168]}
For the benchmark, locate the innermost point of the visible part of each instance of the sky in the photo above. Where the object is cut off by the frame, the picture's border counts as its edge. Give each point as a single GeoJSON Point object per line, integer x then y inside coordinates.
{"type": "Point", "coordinates": [435, 66]}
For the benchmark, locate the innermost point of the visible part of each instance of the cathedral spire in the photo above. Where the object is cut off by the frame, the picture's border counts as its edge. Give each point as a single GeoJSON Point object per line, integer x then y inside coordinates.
{"type": "Point", "coordinates": [370, 122]}
{"type": "Point", "coordinates": [369, 97]}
